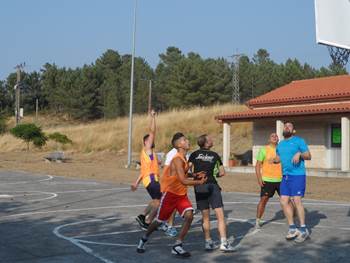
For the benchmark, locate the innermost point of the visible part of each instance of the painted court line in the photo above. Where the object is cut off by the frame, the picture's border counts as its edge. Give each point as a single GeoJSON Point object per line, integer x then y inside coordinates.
{"type": "Point", "coordinates": [6, 196]}
{"type": "Point", "coordinates": [123, 206]}
{"type": "Point", "coordinates": [68, 211]}
{"type": "Point", "coordinates": [34, 193]}
{"type": "Point", "coordinates": [49, 177]}
{"type": "Point", "coordinates": [81, 246]}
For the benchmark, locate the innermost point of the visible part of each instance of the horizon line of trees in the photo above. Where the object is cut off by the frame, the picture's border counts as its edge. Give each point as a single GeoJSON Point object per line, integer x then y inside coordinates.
{"type": "Point", "coordinates": [101, 89]}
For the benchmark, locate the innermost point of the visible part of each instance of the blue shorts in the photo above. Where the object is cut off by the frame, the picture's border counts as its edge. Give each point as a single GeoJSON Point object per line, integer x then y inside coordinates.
{"type": "Point", "coordinates": [293, 185]}
{"type": "Point", "coordinates": [153, 190]}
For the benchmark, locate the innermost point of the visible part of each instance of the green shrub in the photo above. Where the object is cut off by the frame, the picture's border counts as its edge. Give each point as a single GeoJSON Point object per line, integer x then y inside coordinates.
{"type": "Point", "coordinates": [60, 138]}
{"type": "Point", "coordinates": [29, 132]}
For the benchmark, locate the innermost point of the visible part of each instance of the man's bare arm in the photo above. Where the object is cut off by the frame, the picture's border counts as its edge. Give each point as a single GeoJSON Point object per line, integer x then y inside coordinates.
{"type": "Point", "coordinates": [181, 174]}
{"type": "Point", "coordinates": [152, 132]}
{"type": "Point", "coordinates": [222, 171]}
{"type": "Point", "coordinates": [258, 173]}
{"type": "Point", "coordinates": [306, 155]}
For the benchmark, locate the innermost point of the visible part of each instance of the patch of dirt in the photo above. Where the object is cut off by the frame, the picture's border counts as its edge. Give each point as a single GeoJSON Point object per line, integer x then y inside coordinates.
{"type": "Point", "coordinates": [109, 167]}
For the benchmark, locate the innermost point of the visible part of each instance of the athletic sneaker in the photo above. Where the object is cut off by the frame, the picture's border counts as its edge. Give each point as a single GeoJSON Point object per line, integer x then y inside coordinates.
{"type": "Point", "coordinates": [163, 227]}
{"type": "Point", "coordinates": [227, 247]}
{"type": "Point", "coordinates": [258, 223]}
{"type": "Point", "coordinates": [141, 246]}
{"type": "Point", "coordinates": [178, 251]}
{"type": "Point", "coordinates": [303, 235]}
{"type": "Point", "coordinates": [141, 220]}
{"type": "Point", "coordinates": [292, 233]}
{"type": "Point", "coordinates": [171, 231]}
{"type": "Point", "coordinates": [210, 245]}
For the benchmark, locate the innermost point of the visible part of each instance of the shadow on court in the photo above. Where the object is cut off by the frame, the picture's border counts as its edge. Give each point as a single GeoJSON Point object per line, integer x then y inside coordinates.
{"type": "Point", "coordinates": [92, 223]}
{"type": "Point", "coordinates": [330, 250]}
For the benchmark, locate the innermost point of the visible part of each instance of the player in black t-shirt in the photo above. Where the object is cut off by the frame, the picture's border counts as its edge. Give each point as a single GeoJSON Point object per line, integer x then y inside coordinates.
{"type": "Point", "coordinates": [209, 194]}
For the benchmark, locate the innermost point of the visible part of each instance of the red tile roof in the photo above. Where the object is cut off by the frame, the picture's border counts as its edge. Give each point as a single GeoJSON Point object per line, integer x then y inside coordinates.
{"type": "Point", "coordinates": [296, 110]}
{"type": "Point", "coordinates": [333, 88]}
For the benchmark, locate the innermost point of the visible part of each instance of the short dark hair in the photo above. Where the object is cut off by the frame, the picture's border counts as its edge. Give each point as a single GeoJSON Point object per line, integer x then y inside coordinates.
{"type": "Point", "coordinates": [175, 138]}
{"type": "Point", "coordinates": [144, 140]}
{"type": "Point", "coordinates": [202, 140]}
{"type": "Point", "coordinates": [285, 122]}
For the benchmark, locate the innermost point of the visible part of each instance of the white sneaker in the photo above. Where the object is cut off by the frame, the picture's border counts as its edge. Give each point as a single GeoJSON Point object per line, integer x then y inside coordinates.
{"type": "Point", "coordinates": [227, 247]}
{"type": "Point", "coordinates": [163, 227]}
{"type": "Point", "coordinates": [258, 223]}
{"type": "Point", "coordinates": [210, 245]}
{"type": "Point", "coordinates": [302, 236]}
{"type": "Point", "coordinates": [292, 234]}
{"type": "Point", "coordinates": [179, 251]}
{"type": "Point", "coordinates": [141, 246]}
{"type": "Point", "coordinates": [171, 231]}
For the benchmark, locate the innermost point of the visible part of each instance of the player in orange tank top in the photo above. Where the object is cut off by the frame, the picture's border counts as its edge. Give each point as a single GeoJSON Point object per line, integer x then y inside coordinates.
{"type": "Point", "coordinates": [175, 196]}
{"type": "Point", "coordinates": [149, 176]}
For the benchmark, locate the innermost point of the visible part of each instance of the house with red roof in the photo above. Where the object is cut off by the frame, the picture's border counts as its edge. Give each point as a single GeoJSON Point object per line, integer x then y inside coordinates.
{"type": "Point", "coordinates": [320, 110]}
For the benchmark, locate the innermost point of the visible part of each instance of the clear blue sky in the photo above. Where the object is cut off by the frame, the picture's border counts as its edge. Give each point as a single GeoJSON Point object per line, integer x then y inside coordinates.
{"type": "Point", "coordinates": [73, 32]}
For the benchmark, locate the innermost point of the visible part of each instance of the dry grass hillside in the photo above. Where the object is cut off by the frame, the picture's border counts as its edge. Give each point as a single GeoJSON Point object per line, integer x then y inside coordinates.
{"type": "Point", "coordinates": [111, 135]}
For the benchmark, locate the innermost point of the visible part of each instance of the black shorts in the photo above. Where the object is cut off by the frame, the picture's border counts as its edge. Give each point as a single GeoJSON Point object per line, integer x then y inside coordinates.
{"type": "Point", "coordinates": [209, 194]}
{"type": "Point", "coordinates": [154, 190]}
{"type": "Point", "coordinates": [270, 188]}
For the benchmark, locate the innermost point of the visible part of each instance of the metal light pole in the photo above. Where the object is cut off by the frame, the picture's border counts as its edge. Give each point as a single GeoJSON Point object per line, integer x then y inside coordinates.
{"type": "Point", "coordinates": [131, 90]}
{"type": "Point", "coordinates": [18, 92]}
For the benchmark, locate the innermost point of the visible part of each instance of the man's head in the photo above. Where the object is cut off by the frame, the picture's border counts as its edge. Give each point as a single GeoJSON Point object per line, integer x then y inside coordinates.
{"type": "Point", "coordinates": [179, 141]}
{"type": "Point", "coordinates": [205, 141]}
{"type": "Point", "coordinates": [273, 139]}
{"type": "Point", "coordinates": [288, 129]}
{"type": "Point", "coordinates": [147, 141]}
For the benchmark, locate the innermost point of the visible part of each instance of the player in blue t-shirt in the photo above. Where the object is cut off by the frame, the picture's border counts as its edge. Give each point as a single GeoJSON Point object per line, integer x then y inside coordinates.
{"type": "Point", "coordinates": [292, 153]}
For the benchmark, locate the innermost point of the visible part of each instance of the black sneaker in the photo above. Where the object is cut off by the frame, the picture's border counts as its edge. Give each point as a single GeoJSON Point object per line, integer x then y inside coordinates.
{"type": "Point", "coordinates": [141, 246]}
{"type": "Point", "coordinates": [141, 220]}
{"type": "Point", "coordinates": [178, 251]}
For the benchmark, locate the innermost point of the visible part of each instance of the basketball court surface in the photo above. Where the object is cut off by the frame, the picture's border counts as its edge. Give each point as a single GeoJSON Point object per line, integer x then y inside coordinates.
{"type": "Point", "coordinates": [51, 219]}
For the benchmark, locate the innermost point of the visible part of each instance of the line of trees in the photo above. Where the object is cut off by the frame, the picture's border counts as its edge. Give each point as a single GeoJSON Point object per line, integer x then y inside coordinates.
{"type": "Point", "coordinates": [101, 89]}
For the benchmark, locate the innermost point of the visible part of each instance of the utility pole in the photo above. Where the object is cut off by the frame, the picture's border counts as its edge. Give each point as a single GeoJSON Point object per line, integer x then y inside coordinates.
{"type": "Point", "coordinates": [235, 78]}
{"type": "Point", "coordinates": [18, 92]}
{"type": "Point", "coordinates": [131, 90]}
{"type": "Point", "coordinates": [150, 96]}
{"type": "Point", "coordinates": [36, 110]}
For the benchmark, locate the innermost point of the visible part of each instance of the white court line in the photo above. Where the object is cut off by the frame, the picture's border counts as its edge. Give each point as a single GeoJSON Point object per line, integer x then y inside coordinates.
{"type": "Point", "coordinates": [92, 190]}
{"type": "Point", "coordinates": [53, 195]}
{"type": "Point", "coordinates": [6, 196]}
{"type": "Point", "coordinates": [47, 179]}
{"type": "Point", "coordinates": [125, 206]}
{"type": "Point", "coordinates": [33, 193]}
{"type": "Point", "coordinates": [50, 177]}
{"type": "Point", "coordinates": [79, 240]}
{"type": "Point", "coordinates": [83, 247]}
{"type": "Point", "coordinates": [69, 210]}
{"type": "Point", "coordinates": [278, 203]}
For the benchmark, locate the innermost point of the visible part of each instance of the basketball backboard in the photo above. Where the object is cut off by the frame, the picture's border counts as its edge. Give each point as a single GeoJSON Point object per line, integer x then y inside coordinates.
{"type": "Point", "coordinates": [333, 22]}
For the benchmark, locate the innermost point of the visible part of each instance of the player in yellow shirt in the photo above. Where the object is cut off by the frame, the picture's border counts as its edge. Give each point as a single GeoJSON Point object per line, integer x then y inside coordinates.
{"type": "Point", "coordinates": [269, 175]}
